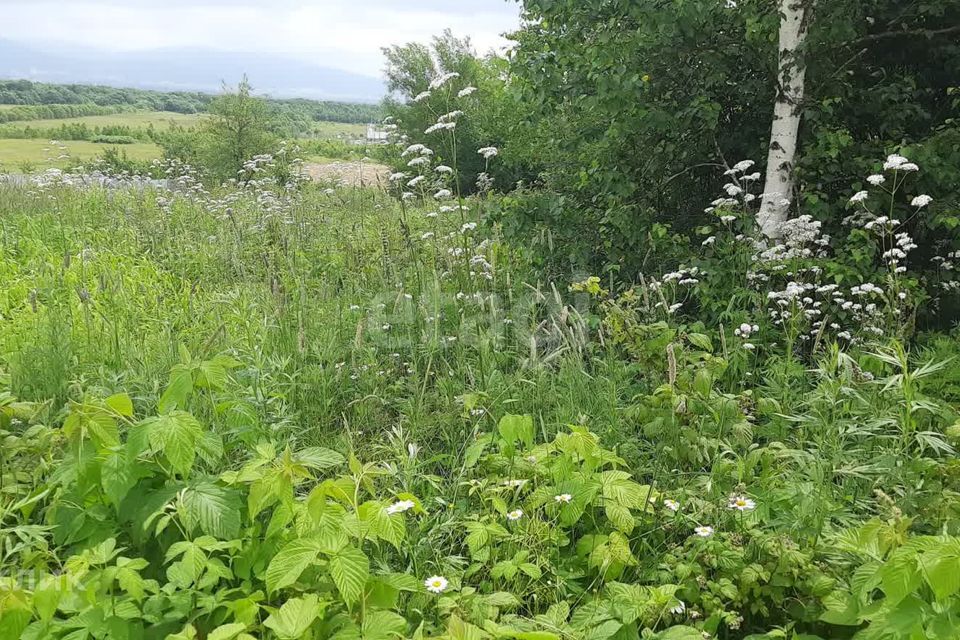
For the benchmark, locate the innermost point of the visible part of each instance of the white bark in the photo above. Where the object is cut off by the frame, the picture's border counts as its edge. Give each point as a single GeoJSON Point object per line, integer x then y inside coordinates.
{"type": "Point", "coordinates": [778, 185]}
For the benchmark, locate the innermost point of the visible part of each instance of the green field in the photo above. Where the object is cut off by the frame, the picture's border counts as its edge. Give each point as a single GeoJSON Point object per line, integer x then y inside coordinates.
{"type": "Point", "coordinates": [339, 130]}
{"type": "Point", "coordinates": [15, 152]}
{"type": "Point", "coordinates": [135, 119]}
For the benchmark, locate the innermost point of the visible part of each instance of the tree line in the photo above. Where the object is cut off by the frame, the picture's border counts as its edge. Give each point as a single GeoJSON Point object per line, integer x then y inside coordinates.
{"type": "Point", "coordinates": [38, 100]}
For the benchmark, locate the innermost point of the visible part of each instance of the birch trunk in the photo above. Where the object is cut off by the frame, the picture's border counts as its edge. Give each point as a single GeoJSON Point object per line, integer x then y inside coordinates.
{"type": "Point", "coordinates": [778, 185]}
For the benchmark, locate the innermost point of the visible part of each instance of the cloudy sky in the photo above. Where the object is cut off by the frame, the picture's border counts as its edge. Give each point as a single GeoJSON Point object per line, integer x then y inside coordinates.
{"type": "Point", "coordinates": [344, 34]}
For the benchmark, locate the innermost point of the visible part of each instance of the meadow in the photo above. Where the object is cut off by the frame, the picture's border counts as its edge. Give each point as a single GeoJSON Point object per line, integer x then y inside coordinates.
{"type": "Point", "coordinates": [568, 371]}
{"type": "Point", "coordinates": [15, 154]}
{"type": "Point", "coordinates": [134, 119]}
{"type": "Point", "coordinates": [307, 413]}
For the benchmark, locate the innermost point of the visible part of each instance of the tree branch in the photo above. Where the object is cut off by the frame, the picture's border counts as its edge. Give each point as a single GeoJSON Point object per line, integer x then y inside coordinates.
{"type": "Point", "coordinates": [886, 35]}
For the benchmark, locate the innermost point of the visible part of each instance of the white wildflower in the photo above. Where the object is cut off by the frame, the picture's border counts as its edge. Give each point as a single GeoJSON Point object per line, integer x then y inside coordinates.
{"type": "Point", "coordinates": [401, 506]}
{"type": "Point", "coordinates": [436, 584]}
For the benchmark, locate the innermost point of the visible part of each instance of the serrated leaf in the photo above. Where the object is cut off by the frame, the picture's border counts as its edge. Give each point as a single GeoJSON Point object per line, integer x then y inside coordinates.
{"type": "Point", "coordinates": [293, 619]}
{"type": "Point", "coordinates": [319, 458]}
{"type": "Point", "coordinates": [176, 434]}
{"type": "Point", "coordinates": [178, 390]}
{"type": "Point", "coordinates": [290, 562]}
{"type": "Point", "coordinates": [121, 404]}
{"type": "Point", "coordinates": [116, 477]}
{"type": "Point", "coordinates": [350, 569]}
{"type": "Point", "coordinates": [214, 509]}
{"type": "Point", "coordinates": [227, 631]}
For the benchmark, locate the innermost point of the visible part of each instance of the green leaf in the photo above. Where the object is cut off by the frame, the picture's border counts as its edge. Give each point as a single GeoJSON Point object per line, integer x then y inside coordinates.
{"type": "Point", "coordinates": [176, 435]}
{"type": "Point", "coordinates": [319, 458]}
{"type": "Point", "coordinates": [350, 569]}
{"type": "Point", "coordinates": [121, 404]}
{"type": "Point", "coordinates": [513, 428]}
{"type": "Point", "coordinates": [293, 619]}
{"type": "Point", "coordinates": [290, 562]}
{"type": "Point", "coordinates": [116, 477]}
{"type": "Point", "coordinates": [178, 390]}
{"type": "Point", "coordinates": [681, 632]}
{"type": "Point", "coordinates": [701, 341]}
{"type": "Point", "coordinates": [227, 631]}
{"type": "Point", "coordinates": [215, 509]}
{"type": "Point", "coordinates": [383, 625]}
{"type": "Point", "coordinates": [941, 570]}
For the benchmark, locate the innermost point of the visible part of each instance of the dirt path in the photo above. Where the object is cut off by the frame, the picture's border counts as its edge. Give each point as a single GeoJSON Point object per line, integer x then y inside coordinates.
{"type": "Point", "coordinates": [349, 173]}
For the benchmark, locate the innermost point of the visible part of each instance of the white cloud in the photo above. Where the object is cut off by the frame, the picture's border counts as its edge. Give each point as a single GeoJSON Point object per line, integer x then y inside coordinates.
{"type": "Point", "coordinates": [343, 34]}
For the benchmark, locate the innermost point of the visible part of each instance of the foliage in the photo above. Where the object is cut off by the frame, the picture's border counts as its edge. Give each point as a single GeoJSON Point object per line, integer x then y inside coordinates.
{"type": "Point", "coordinates": [636, 105]}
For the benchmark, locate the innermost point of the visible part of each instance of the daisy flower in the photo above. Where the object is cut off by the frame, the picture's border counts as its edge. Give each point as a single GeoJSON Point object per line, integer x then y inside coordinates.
{"type": "Point", "coordinates": [515, 515]}
{"type": "Point", "coordinates": [741, 503]}
{"type": "Point", "coordinates": [703, 531]}
{"type": "Point", "coordinates": [436, 584]}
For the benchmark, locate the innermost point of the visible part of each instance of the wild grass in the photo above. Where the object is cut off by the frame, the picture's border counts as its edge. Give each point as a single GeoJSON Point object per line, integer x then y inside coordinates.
{"type": "Point", "coordinates": [16, 154]}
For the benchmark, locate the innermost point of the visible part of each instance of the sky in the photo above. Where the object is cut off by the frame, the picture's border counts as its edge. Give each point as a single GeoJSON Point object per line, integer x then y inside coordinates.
{"type": "Point", "coordinates": [343, 34]}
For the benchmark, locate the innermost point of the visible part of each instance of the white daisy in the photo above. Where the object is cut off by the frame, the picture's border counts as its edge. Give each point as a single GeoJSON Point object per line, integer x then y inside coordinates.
{"type": "Point", "coordinates": [436, 584]}
{"type": "Point", "coordinates": [515, 515]}
{"type": "Point", "coordinates": [703, 531]}
{"type": "Point", "coordinates": [565, 498]}
{"type": "Point", "coordinates": [742, 503]}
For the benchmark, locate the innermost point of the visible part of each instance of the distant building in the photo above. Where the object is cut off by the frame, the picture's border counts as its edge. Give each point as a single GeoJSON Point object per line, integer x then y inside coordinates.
{"type": "Point", "coordinates": [376, 135]}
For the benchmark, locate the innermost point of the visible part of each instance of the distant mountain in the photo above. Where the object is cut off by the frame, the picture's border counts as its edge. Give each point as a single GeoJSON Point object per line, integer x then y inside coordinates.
{"type": "Point", "coordinates": [188, 70]}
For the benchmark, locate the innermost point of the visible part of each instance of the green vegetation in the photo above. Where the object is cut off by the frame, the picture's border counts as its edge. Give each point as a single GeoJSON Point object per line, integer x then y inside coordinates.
{"type": "Point", "coordinates": [19, 154]}
{"type": "Point", "coordinates": [35, 100]}
{"type": "Point", "coordinates": [616, 401]}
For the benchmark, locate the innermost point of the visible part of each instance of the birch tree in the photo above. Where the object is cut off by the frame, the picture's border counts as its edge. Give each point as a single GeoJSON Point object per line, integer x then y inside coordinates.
{"type": "Point", "coordinates": [781, 154]}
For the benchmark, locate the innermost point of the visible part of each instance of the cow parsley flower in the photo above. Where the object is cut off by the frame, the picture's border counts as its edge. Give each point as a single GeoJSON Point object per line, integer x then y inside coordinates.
{"type": "Point", "coordinates": [442, 194]}
{"type": "Point", "coordinates": [444, 79]}
{"type": "Point", "coordinates": [859, 196]}
{"type": "Point", "coordinates": [466, 91]}
{"type": "Point", "coordinates": [488, 152]}
{"type": "Point", "coordinates": [436, 584]}
{"type": "Point", "coordinates": [876, 179]}
{"type": "Point", "coordinates": [921, 201]}
{"type": "Point", "coordinates": [423, 95]}
{"type": "Point", "coordinates": [449, 117]}
{"type": "Point", "coordinates": [894, 161]}
{"type": "Point", "coordinates": [442, 168]}
{"type": "Point", "coordinates": [743, 165]}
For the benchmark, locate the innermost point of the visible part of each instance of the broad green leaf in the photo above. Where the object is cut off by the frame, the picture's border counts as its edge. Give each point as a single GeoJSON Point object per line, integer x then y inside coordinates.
{"type": "Point", "coordinates": [514, 427]}
{"type": "Point", "coordinates": [291, 561]}
{"type": "Point", "coordinates": [350, 569]}
{"type": "Point", "coordinates": [383, 625]}
{"type": "Point", "coordinates": [293, 619]}
{"type": "Point", "coordinates": [121, 404]}
{"type": "Point", "coordinates": [178, 390]}
{"type": "Point", "coordinates": [227, 631]}
{"type": "Point", "coordinates": [319, 457]}
{"type": "Point", "coordinates": [117, 476]}
{"type": "Point", "coordinates": [176, 434]}
{"type": "Point", "coordinates": [214, 509]}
